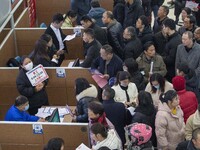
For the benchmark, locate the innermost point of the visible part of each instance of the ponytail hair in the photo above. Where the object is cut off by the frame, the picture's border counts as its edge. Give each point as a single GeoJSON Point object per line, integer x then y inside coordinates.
{"type": "Point", "coordinates": [168, 96]}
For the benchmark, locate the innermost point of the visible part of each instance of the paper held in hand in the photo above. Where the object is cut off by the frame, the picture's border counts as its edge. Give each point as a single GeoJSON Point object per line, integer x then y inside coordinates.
{"type": "Point", "coordinates": [70, 37]}
{"type": "Point", "coordinates": [191, 5]}
{"type": "Point", "coordinates": [37, 75]}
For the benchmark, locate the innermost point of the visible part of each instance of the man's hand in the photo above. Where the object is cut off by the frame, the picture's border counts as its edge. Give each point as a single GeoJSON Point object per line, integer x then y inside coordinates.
{"type": "Point", "coordinates": [59, 52]}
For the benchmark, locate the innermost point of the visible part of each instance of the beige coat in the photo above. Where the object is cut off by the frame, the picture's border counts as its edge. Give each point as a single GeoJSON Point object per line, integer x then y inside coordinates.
{"type": "Point", "coordinates": [192, 123]}
{"type": "Point", "coordinates": [169, 127]}
{"type": "Point", "coordinates": [155, 96]}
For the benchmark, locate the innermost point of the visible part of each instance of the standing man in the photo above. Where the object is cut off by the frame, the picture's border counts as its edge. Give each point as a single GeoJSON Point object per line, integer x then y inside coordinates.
{"type": "Point", "coordinates": [114, 32]}
{"type": "Point", "coordinates": [197, 35]}
{"type": "Point", "coordinates": [115, 112]}
{"type": "Point", "coordinates": [169, 54]}
{"type": "Point", "coordinates": [93, 48]}
{"type": "Point", "coordinates": [54, 29]}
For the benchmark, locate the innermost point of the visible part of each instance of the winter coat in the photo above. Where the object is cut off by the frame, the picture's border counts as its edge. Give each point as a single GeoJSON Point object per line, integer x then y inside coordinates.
{"type": "Point", "coordinates": [156, 96]}
{"type": "Point", "coordinates": [97, 13]}
{"type": "Point", "coordinates": [192, 123]}
{"type": "Point", "coordinates": [146, 35]}
{"type": "Point", "coordinates": [158, 24]}
{"type": "Point", "coordinates": [179, 5]}
{"type": "Point", "coordinates": [182, 29]}
{"type": "Point", "coordinates": [25, 88]}
{"type": "Point", "coordinates": [114, 34]}
{"type": "Point", "coordinates": [120, 94]}
{"type": "Point", "coordinates": [159, 42]}
{"type": "Point", "coordinates": [138, 79]}
{"type": "Point", "coordinates": [192, 57]}
{"type": "Point", "coordinates": [112, 108]}
{"type": "Point", "coordinates": [83, 99]}
{"type": "Point", "coordinates": [157, 2]}
{"type": "Point", "coordinates": [146, 116]}
{"type": "Point", "coordinates": [158, 65]}
{"type": "Point", "coordinates": [169, 127]}
{"type": "Point", "coordinates": [186, 145]}
{"type": "Point", "coordinates": [92, 52]}
{"type": "Point", "coordinates": [112, 141]}
{"type": "Point", "coordinates": [188, 103]}
{"type": "Point", "coordinates": [119, 11]}
{"type": "Point", "coordinates": [132, 13]}
{"type": "Point", "coordinates": [132, 48]}
{"type": "Point", "coordinates": [169, 54]}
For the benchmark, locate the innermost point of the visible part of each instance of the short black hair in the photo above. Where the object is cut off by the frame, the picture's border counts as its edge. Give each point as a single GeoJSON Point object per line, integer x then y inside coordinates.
{"type": "Point", "coordinates": [109, 92]}
{"type": "Point", "coordinates": [170, 23]}
{"type": "Point", "coordinates": [57, 18]}
{"type": "Point", "coordinates": [71, 14]}
{"type": "Point", "coordinates": [144, 20]}
{"type": "Point", "coordinates": [46, 37]}
{"type": "Point", "coordinates": [20, 100]}
{"type": "Point", "coordinates": [147, 45]}
{"type": "Point", "coordinates": [187, 10]}
{"type": "Point", "coordinates": [104, 148]}
{"type": "Point", "coordinates": [98, 128]}
{"type": "Point", "coordinates": [95, 3]}
{"type": "Point", "coordinates": [86, 18]}
{"type": "Point", "coordinates": [107, 48]}
{"type": "Point", "coordinates": [192, 19]}
{"type": "Point", "coordinates": [54, 144]}
{"type": "Point", "coordinates": [166, 9]}
{"type": "Point", "coordinates": [110, 14]}
{"type": "Point", "coordinates": [131, 31]}
{"type": "Point", "coordinates": [90, 32]}
{"type": "Point", "coordinates": [96, 107]}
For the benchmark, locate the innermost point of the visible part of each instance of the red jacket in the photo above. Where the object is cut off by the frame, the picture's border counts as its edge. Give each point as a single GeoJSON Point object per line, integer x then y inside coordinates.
{"type": "Point", "coordinates": [188, 103]}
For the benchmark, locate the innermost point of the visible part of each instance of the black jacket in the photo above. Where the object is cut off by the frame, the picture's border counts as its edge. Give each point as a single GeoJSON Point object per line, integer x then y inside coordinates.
{"type": "Point", "coordinates": [179, 5]}
{"type": "Point", "coordinates": [113, 67]}
{"type": "Point", "coordinates": [157, 2]}
{"type": "Point", "coordinates": [114, 34]}
{"type": "Point", "coordinates": [132, 48]}
{"type": "Point", "coordinates": [186, 145]}
{"type": "Point", "coordinates": [146, 116]}
{"type": "Point", "coordinates": [182, 29]}
{"type": "Point", "coordinates": [138, 79]}
{"type": "Point", "coordinates": [116, 113]}
{"type": "Point", "coordinates": [169, 55]}
{"type": "Point", "coordinates": [91, 53]}
{"type": "Point", "coordinates": [158, 24]}
{"type": "Point", "coordinates": [159, 42]}
{"type": "Point", "coordinates": [119, 11]}
{"type": "Point", "coordinates": [132, 13]}
{"type": "Point", "coordinates": [38, 59]}
{"type": "Point", "coordinates": [50, 31]}
{"type": "Point", "coordinates": [24, 87]}
{"type": "Point", "coordinates": [100, 34]}
{"type": "Point", "coordinates": [146, 35]}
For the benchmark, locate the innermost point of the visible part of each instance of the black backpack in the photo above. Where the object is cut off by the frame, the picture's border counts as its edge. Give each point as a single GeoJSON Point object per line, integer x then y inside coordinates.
{"type": "Point", "coordinates": [12, 62]}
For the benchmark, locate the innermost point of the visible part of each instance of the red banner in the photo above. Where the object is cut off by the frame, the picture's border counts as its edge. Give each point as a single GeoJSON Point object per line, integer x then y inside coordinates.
{"type": "Point", "coordinates": [32, 12]}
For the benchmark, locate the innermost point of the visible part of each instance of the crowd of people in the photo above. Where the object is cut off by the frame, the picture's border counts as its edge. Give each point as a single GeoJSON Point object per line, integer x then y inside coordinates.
{"type": "Point", "coordinates": [153, 102]}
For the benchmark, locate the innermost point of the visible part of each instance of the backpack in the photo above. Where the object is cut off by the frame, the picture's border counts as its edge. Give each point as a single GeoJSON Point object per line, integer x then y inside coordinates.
{"type": "Point", "coordinates": [13, 62]}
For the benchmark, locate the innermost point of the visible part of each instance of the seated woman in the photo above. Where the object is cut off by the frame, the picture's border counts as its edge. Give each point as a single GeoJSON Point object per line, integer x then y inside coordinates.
{"type": "Point", "coordinates": [104, 137]}
{"type": "Point", "coordinates": [40, 55]}
{"type": "Point", "coordinates": [69, 18]}
{"type": "Point", "coordinates": [145, 112]}
{"type": "Point", "coordinates": [17, 112]}
{"type": "Point", "coordinates": [125, 91]}
{"type": "Point", "coordinates": [170, 126]}
{"type": "Point", "coordinates": [85, 93]}
{"type": "Point", "coordinates": [156, 86]}
{"type": "Point", "coordinates": [131, 66]}
{"type": "Point", "coordinates": [36, 95]}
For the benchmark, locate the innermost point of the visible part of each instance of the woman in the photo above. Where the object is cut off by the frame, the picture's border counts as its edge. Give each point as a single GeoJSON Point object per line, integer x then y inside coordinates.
{"type": "Point", "coordinates": [40, 55]}
{"type": "Point", "coordinates": [125, 91]}
{"type": "Point", "coordinates": [145, 112]}
{"type": "Point", "coordinates": [85, 93]}
{"type": "Point", "coordinates": [156, 86]}
{"type": "Point", "coordinates": [169, 121]}
{"type": "Point", "coordinates": [69, 18]}
{"type": "Point", "coordinates": [36, 95]}
{"type": "Point", "coordinates": [55, 144]}
{"type": "Point", "coordinates": [131, 66]}
{"type": "Point", "coordinates": [143, 30]}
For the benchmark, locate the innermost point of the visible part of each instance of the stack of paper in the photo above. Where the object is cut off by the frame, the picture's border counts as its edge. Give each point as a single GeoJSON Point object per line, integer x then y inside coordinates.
{"type": "Point", "coordinates": [82, 147]}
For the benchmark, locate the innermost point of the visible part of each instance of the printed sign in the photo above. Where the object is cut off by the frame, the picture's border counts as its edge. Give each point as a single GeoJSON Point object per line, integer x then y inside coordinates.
{"type": "Point", "coordinates": [37, 129]}
{"type": "Point", "coordinates": [37, 75]}
{"type": "Point", "coordinates": [60, 72]}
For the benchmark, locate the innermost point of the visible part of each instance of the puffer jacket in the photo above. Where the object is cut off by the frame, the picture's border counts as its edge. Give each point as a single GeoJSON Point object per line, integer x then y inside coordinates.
{"type": "Point", "coordinates": [97, 13]}
{"type": "Point", "coordinates": [170, 128]}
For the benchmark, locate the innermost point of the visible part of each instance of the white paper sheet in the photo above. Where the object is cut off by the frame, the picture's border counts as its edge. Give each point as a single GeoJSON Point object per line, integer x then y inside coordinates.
{"type": "Point", "coordinates": [70, 37]}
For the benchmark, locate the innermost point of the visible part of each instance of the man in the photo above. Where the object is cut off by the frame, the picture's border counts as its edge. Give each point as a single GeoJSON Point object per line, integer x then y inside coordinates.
{"type": "Point", "coordinates": [54, 29]}
{"type": "Point", "coordinates": [197, 35]}
{"type": "Point", "coordinates": [133, 11]}
{"type": "Point", "coordinates": [169, 54]}
{"type": "Point", "coordinates": [17, 112]}
{"type": "Point", "coordinates": [163, 11]}
{"type": "Point", "coordinates": [81, 7]}
{"type": "Point", "coordinates": [149, 62]}
{"type": "Point", "coordinates": [160, 40]}
{"type": "Point", "coordinates": [93, 48]}
{"type": "Point", "coordinates": [133, 46]}
{"type": "Point", "coordinates": [112, 108]}
{"type": "Point", "coordinates": [191, 144]}
{"type": "Point", "coordinates": [100, 34]}
{"type": "Point", "coordinates": [188, 25]}
{"type": "Point", "coordinates": [107, 63]}
{"type": "Point", "coordinates": [188, 52]}
{"type": "Point", "coordinates": [114, 32]}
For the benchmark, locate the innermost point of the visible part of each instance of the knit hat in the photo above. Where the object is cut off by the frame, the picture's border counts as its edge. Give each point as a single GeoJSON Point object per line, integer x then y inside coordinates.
{"type": "Point", "coordinates": [123, 75]}
{"type": "Point", "coordinates": [178, 83]}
